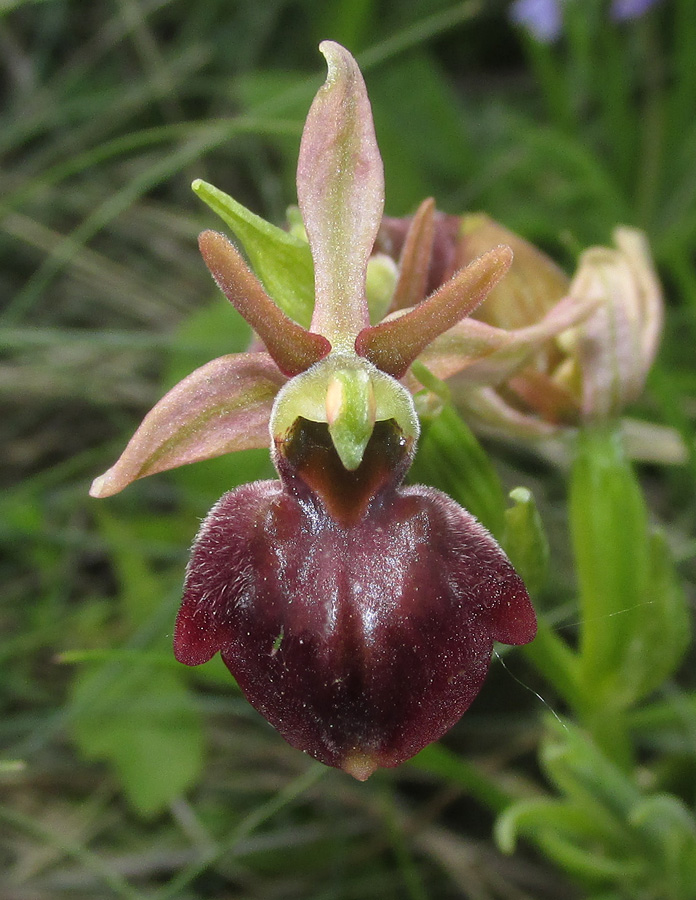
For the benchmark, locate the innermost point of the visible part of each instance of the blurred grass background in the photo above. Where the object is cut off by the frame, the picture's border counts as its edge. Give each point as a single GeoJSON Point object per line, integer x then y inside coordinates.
{"type": "Point", "coordinates": [121, 774]}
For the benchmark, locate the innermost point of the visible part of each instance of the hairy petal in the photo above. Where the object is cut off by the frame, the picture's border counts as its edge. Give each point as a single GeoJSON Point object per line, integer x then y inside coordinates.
{"type": "Point", "coordinates": [394, 344]}
{"type": "Point", "coordinates": [223, 406]}
{"type": "Point", "coordinates": [340, 188]}
{"type": "Point", "coordinates": [360, 644]}
{"type": "Point", "coordinates": [292, 347]}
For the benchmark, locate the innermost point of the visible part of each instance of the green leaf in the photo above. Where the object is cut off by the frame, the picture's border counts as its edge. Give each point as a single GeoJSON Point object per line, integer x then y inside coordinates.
{"type": "Point", "coordinates": [451, 459]}
{"type": "Point", "coordinates": [453, 769]}
{"type": "Point", "coordinates": [140, 719]}
{"type": "Point", "coordinates": [422, 130]}
{"type": "Point", "coordinates": [670, 825]}
{"type": "Point", "coordinates": [635, 623]}
{"type": "Point", "coordinates": [584, 829]}
{"type": "Point", "coordinates": [665, 624]}
{"type": "Point", "coordinates": [534, 817]}
{"type": "Point", "coordinates": [281, 260]}
{"type": "Point", "coordinates": [608, 522]}
{"type": "Point", "coordinates": [584, 773]}
{"type": "Point", "coordinates": [140, 591]}
{"type": "Point", "coordinates": [603, 826]}
{"type": "Point", "coordinates": [667, 725]}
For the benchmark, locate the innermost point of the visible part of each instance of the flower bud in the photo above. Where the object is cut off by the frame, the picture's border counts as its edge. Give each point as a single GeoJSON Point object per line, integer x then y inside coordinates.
{"type": "Point", "coordinates": [614, 348]}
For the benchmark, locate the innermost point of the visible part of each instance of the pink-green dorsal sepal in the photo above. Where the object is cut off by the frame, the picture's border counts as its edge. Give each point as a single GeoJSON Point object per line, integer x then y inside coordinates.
{"type": "Point", "coordinates": [293, 348]}
{"type": "Point", "coordinates": [223, 406]}
{"type": "Point", "coordinates": [340, 188]}
{"type": "Point", "coordinates": [395, 343]}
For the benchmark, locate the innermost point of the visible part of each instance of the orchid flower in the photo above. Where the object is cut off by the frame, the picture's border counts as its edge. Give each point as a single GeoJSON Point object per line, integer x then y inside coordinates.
{"type": "Point", "coordinates": [585, 373]}
{"type": "Point", "coordinates": [546, 353]}
{"type": "Point", "coordinates": [357, 615]}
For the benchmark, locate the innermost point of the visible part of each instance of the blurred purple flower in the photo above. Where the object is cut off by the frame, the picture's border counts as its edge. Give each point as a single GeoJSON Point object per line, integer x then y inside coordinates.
{"type": "Point", "coordinates": [542, 18]}
{"type": "Point", "coordinates": [621, 10]}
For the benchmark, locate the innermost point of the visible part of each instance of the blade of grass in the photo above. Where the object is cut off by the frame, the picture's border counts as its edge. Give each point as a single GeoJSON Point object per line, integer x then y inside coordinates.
{"type": "Point", "coordinates": [81, 854]}
{"type": "Point", "coordinates": [249, 824]}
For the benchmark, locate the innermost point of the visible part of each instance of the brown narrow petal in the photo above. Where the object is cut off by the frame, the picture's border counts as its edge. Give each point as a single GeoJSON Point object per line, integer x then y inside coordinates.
{"type": "Point", "coordinates": [292, 347]}
{"type": "Point", "coordinates": [392, 346]}
{"type": "Point", "coordinates": [414, 264]}
{"type": "Point", "coordinates": [340, 189]}
{"type": "Point", "coordinates": [223, 406]}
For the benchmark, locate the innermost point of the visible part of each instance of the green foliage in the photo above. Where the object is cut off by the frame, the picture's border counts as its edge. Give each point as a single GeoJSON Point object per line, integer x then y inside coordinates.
{"type": "Point", "coordinates": [451, 458]}
{"type": "Point", "coordinates": [604, 828]}
{"type": "Point", "coordinates": [280, 259]}
{"type": "Point", "coordinates": [635, 622]}
{"type": "Point", "coordinates": [525, 540]}
{"type": "Point", "coordinates": [141, 718]}
{"type": "Point", "coordinates": [133, 710]}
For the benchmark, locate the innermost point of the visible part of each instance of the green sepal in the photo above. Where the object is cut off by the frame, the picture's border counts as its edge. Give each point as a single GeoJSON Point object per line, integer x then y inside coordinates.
{"type": "Point", "coordinates": [634, 615]}
{"type": "Point", "coordinates": [281, 260]}
{"type": "Point", "coordinates": [451, 459]}
{"type": "Point", "coordinates": [525, 541]}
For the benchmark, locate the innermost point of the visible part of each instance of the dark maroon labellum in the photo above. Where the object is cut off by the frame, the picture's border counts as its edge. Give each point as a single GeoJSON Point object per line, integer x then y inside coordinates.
{"type": "Point", "coordinates": [357, 616]}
